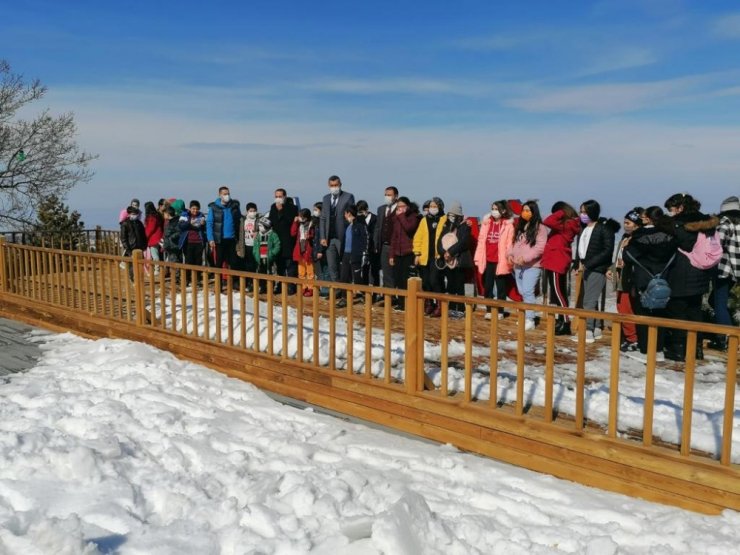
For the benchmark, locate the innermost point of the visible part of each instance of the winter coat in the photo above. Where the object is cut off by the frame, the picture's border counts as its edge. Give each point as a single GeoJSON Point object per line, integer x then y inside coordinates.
{"type": "Point", "coordinates": [371, 221]}
{"type": "Point", "coordinates": [558, 255]}
{"type": "Point", "coordinates": [461, 249]}
{"type": "Point", "coordinates": [241, 244]}
{"type": "Point", "coordinates": [622, 276]}
{"type": "Point", "coordinates": [422, 240]}
{"type": "Point", "coordinates": [383, 226]}
{"type": "Point", "coordinates": [187, 223]}
{"type": "Point", "coordinates": [505, 241]}
{"type": "Point", "coordinates": [154, 229]}
{"type": "Point", "coordinates": [653, 247]}
{"type": "Point", "coordinates": [318, 248]}
{"type": "Point", "coordinates": [282, 223]}
{"type": "Point", "coordinates": [531, 254]}
{"type": "Point", "coordinates": [402, 235]}
{"type": "Point", "coordinates": [340, 224]}
{"type": "Point", "coordinates": [273, 247]}
{"type": "Point", "coordinates": [684, 279]}
{"type": "Point", "coordinates": [729, 235]}
{"type": "Point", "coordinates": [133, 236]}
{"type": "Point", "coordinates": [215, 220]}
{"type": "Point", "coordinates": [307, 254]}
{"type": "Point", "coordinates": [172, 236]}
{"type": "Point", "coordinates": [360, 241]}
{"type": "Point", "coordinates": [600, 247]}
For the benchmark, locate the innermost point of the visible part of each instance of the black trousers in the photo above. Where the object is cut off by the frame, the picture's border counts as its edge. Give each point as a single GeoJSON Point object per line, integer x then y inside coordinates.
{"type": "Point", "coordinates": [194, 256]}
{"type": "Point", "coordinates": [286, 266]}
{"type": "Point", "coordinates": [642, 331]}
{"type": "Point", "coordinates": [226, 252]}
{"type": "Point", "coordinates": [350, 272]}
{"type": "Point", "coordinates": [682, 308]}
{"type": "Point", "coordinates": [401, 270]}
{"type": "Point", "coordinates": [455, 285]}
{"type": "Point", "coordinates": [490, 279]}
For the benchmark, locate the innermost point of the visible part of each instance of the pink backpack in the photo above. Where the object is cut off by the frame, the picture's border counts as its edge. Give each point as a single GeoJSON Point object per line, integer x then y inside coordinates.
{"type": "Point", "coordinates": [707, 251]}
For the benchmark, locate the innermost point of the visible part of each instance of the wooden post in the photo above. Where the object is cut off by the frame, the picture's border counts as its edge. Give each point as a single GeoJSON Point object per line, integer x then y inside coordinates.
{"type": "Point", "coordinates": [139, 293]}
{"type": "Point", "coordinates": [3, 267]}
{"type": "Point", "coordinates": [411, 348]}
{"type": "Point", "coordinates": [98, 238]}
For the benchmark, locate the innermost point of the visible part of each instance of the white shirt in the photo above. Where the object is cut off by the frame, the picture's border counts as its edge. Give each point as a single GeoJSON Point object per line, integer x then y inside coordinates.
{"type": "Point", "coordinates": [584, 240]}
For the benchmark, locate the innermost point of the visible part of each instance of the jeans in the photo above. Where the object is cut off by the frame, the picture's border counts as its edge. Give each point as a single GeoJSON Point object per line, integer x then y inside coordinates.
{"type": "Point", "coordinates": [722, 288]}
{"type": "Point", "coordinates": [526, 282]}
{"type": "Point", "coordinates": [593, 285]}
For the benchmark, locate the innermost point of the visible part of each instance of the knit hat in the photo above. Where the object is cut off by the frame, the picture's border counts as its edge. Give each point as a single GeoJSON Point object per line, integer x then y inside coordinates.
{"type": "Point", "coordinates": [455, 208]}
{"type": "Point", "coordinates": [730, 203]}
{"type": "Point", "coordinates": [633, 216]}
{"type": "Point", "coordinates": [265, 222]}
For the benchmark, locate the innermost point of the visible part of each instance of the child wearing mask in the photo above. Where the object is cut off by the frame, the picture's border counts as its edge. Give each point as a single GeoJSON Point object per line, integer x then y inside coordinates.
{"type": "Point", "coordinates": [621, 275]}
{"type": "Point", "coordinates": [266, 249]}
{"type": "Point", "coordinates": [192, 225]}
{"type": "Point", "coordinates": [355, 251]}
{"type": "Point", "coordinates": [304, 232]}
{"type": "Point", "coordinates": [245, 243]}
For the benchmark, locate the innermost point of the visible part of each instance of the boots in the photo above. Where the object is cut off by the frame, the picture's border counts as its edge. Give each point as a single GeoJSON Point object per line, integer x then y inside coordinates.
{"type": "Point", "coordinates": [562, 327]}
{"type": "Point", "coordinates": [677, 352]}
{"type": "Point", "coordinates": [719, 343]}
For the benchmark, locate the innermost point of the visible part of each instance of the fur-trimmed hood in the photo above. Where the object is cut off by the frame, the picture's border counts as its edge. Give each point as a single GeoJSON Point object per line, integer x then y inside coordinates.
{"type": "Point", "coordinates": [705, 224]}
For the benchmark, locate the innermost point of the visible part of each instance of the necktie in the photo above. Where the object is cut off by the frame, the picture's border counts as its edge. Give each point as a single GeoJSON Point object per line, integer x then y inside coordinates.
{"type": "Point", "coordinates": [333, 202]}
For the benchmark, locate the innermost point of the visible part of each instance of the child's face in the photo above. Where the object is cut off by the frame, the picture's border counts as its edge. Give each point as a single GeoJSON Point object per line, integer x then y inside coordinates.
{"type": "Point", "coordinates": [193, 210]}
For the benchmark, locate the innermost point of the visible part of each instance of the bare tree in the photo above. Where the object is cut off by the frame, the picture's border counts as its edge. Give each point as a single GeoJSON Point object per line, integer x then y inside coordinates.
{"type": "Point", "coordinates": [38, 157]}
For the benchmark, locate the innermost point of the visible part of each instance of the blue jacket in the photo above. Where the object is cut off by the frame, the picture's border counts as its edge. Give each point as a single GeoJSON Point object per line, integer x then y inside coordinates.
{"type": "Point", "coordinates": [186, 226]}
{"type": "Point", "coordinates": [223, 221]}
{"type": "Point", "coordinates": [358, 254]}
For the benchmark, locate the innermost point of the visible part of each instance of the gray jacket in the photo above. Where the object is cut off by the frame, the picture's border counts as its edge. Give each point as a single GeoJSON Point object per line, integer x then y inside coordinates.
{"type": "Point", "coordinates": [343, 201]}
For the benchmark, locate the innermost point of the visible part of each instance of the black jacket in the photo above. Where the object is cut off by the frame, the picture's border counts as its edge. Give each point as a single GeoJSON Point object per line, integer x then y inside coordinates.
{"type": "Point", "coordinates": [653, 247]}
{"type": "Point", "coordinates": [172, 236]}
{"type": "Point", "coordinates": [318, 248]}
{"type": "Point", "coordinates": [600, 247]}
{"type": "Point", "coordinates": [360, 241]}
{"type": "Point", "coordinates": [133, 236]}
{"type": "Point", "coordinates": [461, 249]}
{"type": "Point", "coordinates": [281, 221]}
{"type": "Point", "coordinates": [684, 279]}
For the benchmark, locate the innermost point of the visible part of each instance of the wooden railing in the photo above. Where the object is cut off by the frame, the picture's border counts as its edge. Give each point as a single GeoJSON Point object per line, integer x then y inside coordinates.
{"type": "Point", "coordinates": [487, 386]}
{"type": "Point", "coordinates": [99, 240]}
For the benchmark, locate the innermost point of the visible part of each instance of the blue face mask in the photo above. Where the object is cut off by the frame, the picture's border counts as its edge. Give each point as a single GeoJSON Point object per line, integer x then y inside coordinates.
{"type": "Point", "coordinates": [585, 219]}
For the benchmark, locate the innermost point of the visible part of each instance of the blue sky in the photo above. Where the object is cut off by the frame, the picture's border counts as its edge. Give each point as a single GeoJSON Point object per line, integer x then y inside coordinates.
{"type": "Point", "coordinates": [625, 101]}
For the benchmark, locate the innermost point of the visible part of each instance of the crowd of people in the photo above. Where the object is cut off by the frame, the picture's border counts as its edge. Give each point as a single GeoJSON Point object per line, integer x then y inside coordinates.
{"type": "Point", "coordinates": [676, 251]}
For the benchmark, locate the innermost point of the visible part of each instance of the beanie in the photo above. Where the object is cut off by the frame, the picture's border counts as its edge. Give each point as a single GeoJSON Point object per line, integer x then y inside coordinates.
{"type": "Point", "coordinates": [455, 208]}
{"type": "Point", "coordinates": [730, 203]}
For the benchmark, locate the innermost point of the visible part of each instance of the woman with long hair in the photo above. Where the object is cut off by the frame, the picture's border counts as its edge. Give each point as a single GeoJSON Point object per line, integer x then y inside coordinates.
{"type": "Point", "coordinates": [496, 237]}
{"type": "Point", "coordinates": [558, 257]}
{"type": "Point", "coordinates": [530, 237]}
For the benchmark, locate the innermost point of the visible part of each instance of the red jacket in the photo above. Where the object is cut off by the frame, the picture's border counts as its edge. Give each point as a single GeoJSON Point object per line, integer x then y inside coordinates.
{"type": "Point", "coordinates": [558, 254]}
{"type": "Point", "coordinates": [154, 229]}
{"type": "Point", "coordinates": [402, 234]}
{"type": "Point", "coordinates": [307, 254]}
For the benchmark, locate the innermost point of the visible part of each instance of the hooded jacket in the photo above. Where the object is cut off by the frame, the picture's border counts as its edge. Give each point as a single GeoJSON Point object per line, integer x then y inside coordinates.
{"type": "Point", "coordinates": [558, 255]}
{"type": "Point", "coordinates": [653, 247]}
{"type": "Point", "coordinates": [505, 241]}
{"type": "Point", "coordinates": [189, 223]}
{"type": "Point", "coordinates": [531, 254]}
{"type": "Point", "coordinates": [461, 249]}
{"type": "Point", "coordinates": [282, 223]}
{"type": "Point", "coordinates": [422, 240]}
{"type": "Point", "coordinates": [601, 246]}
{"type": "Point", "coordinates": [404, 228]}
{"type": "Point", "coordinates": [684, 279]}
{"type": "Point", "coordinates": [133, 236]}
{"type": "Point", "coordinates": [307, 254]}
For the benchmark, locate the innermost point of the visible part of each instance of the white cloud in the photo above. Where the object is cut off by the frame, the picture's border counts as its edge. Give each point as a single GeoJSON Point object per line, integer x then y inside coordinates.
{"type": "Point", "coordinates": [411, 85]}
{"type": "Point", "coordinates": [620, 59]}
{"type": "Point", "coordinates": [727, 26]}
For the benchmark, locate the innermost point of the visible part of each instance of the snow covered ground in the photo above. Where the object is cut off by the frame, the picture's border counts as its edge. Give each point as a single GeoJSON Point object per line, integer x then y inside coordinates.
{"type": "Point", "coordinates": [114, 446]}
{"type": "Point", "coordinates": [709, 389]}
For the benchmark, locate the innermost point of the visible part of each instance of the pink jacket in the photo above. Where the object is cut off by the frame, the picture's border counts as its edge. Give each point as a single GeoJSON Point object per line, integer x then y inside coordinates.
{"type": "Point", "coordinates": [505, 242]}
{"type": "Point", "coordinates": [532, 254]}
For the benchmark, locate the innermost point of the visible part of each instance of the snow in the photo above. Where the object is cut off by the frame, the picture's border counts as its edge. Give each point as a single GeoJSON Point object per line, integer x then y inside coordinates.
{"type": "Point", "coordinates": [115, 446]}
{"type": "Point", "coordinates": [709, 388]}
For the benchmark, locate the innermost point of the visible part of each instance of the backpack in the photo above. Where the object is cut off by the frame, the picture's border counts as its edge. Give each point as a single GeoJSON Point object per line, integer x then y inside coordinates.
{"type": "Point", "coordinates": [658, 292]}
{"type": "Point", "coordinates": [707, 251]}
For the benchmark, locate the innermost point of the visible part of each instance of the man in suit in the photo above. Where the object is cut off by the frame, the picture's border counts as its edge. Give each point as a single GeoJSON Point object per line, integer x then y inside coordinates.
{"type": "Point", "coordinates": [383, 229]}
{"type": "Point", "coordinates": [332, 224]}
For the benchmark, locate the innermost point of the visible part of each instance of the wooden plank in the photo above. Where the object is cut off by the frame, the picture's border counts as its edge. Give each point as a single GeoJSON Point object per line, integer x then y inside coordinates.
{"type": "Point", "coordinates": [613, 418]}
{"type": "Point", "coordinates": [206, 307]}
{"type": "Point", "coordinates": [299, 324]}
{"type": "Point", "coordinates": [520, 343]}
{"type": "Point", "coordinates": [688, 394]}
{"type": "Point", "coordinates": [468, 331]}
{"type": "Point", "coordinates": [350, 334]}
{"type": "Point", "coordinates": [580, 371]}
{"type": "Point", "coordinates": [647, 422]}
{"type": "Point", "coordinates": [549, 366]}
{"type": "Point", "coordinates": [368, 335]}
{"type": "Point", "coordinates": [270, 318]}
{"type": "Point", "coordinates": [729, 408]}
{"type": "Point", "coordinates": [444, 344]}
{"type": "Point", "coordinates": [163, 294]}
{"type": "Point", "coordinates": [387, 338]}
{"type": "Point", "coordinates": [242, 311]}
{"type": "Point", "coordinates": [315, 308]}
{"type": "Point", "coordinates": [284, 317]}
{"type": "Point", "coordinates": [493, 359]}
{"type": "Point", "coordinates": [217, 305]}
{"type": "Point", "coordinates": [230, 310]}
{"type": "Point", "coordinates": [332, 328]}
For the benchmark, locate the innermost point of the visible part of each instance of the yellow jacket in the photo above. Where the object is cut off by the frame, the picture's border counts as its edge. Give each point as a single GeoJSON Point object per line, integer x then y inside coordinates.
{"type": "Point", "coordinates": [421, 240]}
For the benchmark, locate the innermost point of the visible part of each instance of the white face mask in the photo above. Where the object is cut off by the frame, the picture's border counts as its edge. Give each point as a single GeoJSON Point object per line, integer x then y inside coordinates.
{"type": "Point", "coordinates": [251, 214]}
{"type": "Point", "coordinates": [334, 191]}
{"type": "Point", "coordinates": [434, 211]}
{"type": "Point", "coordinates": [279, 200]}
{"type": "Point", "coordinates": [495, 214]}
{"type": "Point", "coordinates": [225, 198]}
{"type": "Point", "coordinates": [389, 199]}
{"type": "Point", "coordinates": [316, 213]}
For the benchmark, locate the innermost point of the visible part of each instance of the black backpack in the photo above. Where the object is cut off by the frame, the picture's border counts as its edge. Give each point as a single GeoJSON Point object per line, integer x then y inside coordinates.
{"type": "Point", "coordinates": [658, 292]}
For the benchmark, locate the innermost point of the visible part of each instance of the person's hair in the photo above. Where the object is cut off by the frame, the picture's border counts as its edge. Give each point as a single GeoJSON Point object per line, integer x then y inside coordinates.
{"type": "Point", "coordinates": [305, 213]}
{"type": "Point", "coordinates": [170, 212]}
{"type": "Point", "coordinates": [568, 211]}
{"type": "Point", "coordinates": [351, 209]}
{"type": "Point", "coordinates": [281, 190]}
{"type": "Point", "coordinates": [394, 189]}
{"type": "Point", "coordinates": [683, 200]}
{"type": "Point", "coordinates": [653, 213]}
{"type": "Point", "coordinates": [222, 188]}
{"type": "Point", "coordinates": [440, 204]}
{"type": "Point", "coordinates": [195, 203]}
{"type": "Point", "coordinates": [530, 228]}
{"type": "Point", "coordinates": [404, 200]}
{"type": "Point", "coordinates": [503, 207]}
{"type": "Point", "coordinates": [335, 179]}
{"type": "Point", "coordinates": [362, 206]}
{"type": "Point", "coordinates": [149, 208]}
{"type": "Point", "coordinates": [251, 205]}
{"type": "Point", "coordinates": [318, 205]}
{"type": "Point", "coordinates": [161, 202]}
{"type": "Point", "coordinates": [132, 210]}
{"type": "Point", "coordinates": [592, 208]}
{"type": "Point", "coordinates": [426, 204]}
{"type": "Point", "coordinates": [634, 215]}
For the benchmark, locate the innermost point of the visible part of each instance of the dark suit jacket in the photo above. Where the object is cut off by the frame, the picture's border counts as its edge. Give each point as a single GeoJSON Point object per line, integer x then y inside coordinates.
{"type": "Point", "coordinates": [377, 235]}
{"type": "Point", "coordinates": [344, 200]}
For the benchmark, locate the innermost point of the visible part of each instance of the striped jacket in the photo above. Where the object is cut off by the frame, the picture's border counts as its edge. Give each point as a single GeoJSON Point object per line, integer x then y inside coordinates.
{"type": "Point", "coordinates": [729, 236]}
